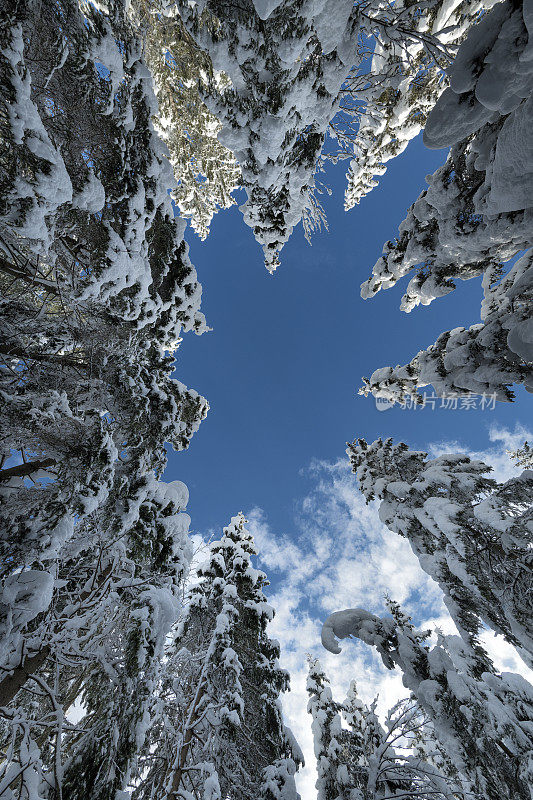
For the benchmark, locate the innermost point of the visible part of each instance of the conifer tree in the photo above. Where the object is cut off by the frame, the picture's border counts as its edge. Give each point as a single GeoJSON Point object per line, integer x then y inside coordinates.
{"type": "Point", "coordinates": [299, 72]}
{"type": "Point", "coordinates": [474, 217]}
{"type": "Point", "coordinates": [361, 760]}
{"type": "Point", "coordinates": [206, 172]}
{"type": "Point", "coordinates": [482, 719]}
{"type": "Point", "coordinates": [96, 289]}
{"type": "Point", "coordinates": [387, 104]}
{"type": "Point", "coordinates": [286, 63]}
{"type": "Point", "coordinates": [470, 534]}
{"type": "Point", "coordinates": [523, 456]}
{"type": "Point", "coordinates": [218, 729]}
{"type": "Point", "coordinates": [96, 285]}
{"type": "Point", "coordinates": [328, 736]}
{"type": "Point", "coordinates": [100, 645]}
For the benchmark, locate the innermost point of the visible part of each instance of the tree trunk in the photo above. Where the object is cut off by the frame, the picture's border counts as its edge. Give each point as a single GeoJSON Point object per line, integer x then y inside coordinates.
{"type": "Point", "coordinates": [18, 272]}
{"type": "Point", "coordinates": [184, 751]}
{"type": "Point", "coordinates": [14, 682]}
{"type": "Point", "coordinates": [19, 675]}
{"type": "Point", "coordinates": [25, 469]}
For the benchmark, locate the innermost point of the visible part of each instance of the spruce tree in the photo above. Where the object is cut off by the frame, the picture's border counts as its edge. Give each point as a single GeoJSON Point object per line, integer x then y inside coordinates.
{"type": "Point", "coordinates": [387, 104]}
{"type": "Point", "coordinates": [96, 285]}
{"type": "Point", "coordinates": [96, 290]}
{"type": "Point", "coordinates": [481, 719]}
{"type": "Point", "coordinates": [523, 456]}
{"type": "Point", "coordinates": [328, 736]}
{"type": "Point", "coordinates": [100, 646]}
{"type": "Point", "coordinates": [299, 73]}
{"type": "Point", "coordinates": [286, 63]}
{"type": "Point", "coordinates": [470, 534]}
{"type": "Point", "coordinates": [218, 729]}
{"type": "Point", "coordinates": [474, 217]}
{"type": "Point", "coordinates": [206, 172]}
{"type": "Point", "coordinates": [365, 760]}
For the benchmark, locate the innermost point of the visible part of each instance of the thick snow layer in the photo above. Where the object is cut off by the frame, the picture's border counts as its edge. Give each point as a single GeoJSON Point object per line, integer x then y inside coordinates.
{"type": "Point", "coordinates": [491, 75]}
{"type": "Point", "coordinates": [91, 198]}
{"type": "Point", "coordinates": [286, 67]}
{"type": "Point", "coordinates": [480, 360]}
{"type": "Point", "coordinates": [511, 182]}
{"type": "Point", "coordinates": [454, 118]}
{"type": "Point", "coordinates": [520, 340]}
{"type": "Point", "coordinates": [175, 491]}
{"type": "Point", "coordinates": [342, 624]}
{"type": "Point", "coordinates": [330, 18]}
{"type": "Point", "coordinates": [50, 187]}
{"type": "Point", "coordinates": [27, 594]}
{"type": "Point", "coordinates": [264, 8]}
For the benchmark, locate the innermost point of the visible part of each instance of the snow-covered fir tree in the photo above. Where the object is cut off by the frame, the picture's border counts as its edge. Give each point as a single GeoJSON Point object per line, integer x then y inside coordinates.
{"type": "Point", "coordinates": [286, 62]}
{"type": "Point", "coordinates": [523, 456]}
{"type": "Point", "coordinates": [206, 172]}
{"type": "Point", "coordinates": [95, 279]}
{"type": "Point", "coordinates": [482, 719]}
{"type": "Point", "coordinates": [328, 737]}
{"type": "Point", "coordinates": [118, 685]}
{"type": "Point", "coordinates": [99, 644]}
{"type": "Point", "coordinates": [474, 217]}
{"type": "Point", "coordinates": [485, 359]}
{"type": "Point", "coordinates": [385, 105]}
{"type": "Point", "coordinates": [218, 730]}
{"type": "Point", "coordinates": [362, 760]}
{"type": "Point", "coordinates": [301, 72]}
{"type": "Point", "coordinates": [96, 290]}
{"type": "Point", "coordinates": [471, 535]}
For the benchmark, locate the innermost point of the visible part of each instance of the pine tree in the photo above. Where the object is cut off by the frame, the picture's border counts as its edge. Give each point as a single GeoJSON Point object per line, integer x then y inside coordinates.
{"type": "Point", "coordinates": [361, 760]}
{"type": "Point", "coordinates": [206, 172]}
{"type": "Point", "coordinates": [329, 738]}
{"type": "Point", "coordinates": [300, 72]}
{"type": "Point", "coordinates": [96, 289]}
{"type": "Point", "coordinates": [286, 66]}
{"type": "Point", "coordinates": [482, 719]}
{"type": "Point", "coordinates": [96, 284]}
{"type": "Point", "coordinates": [523, 456]}
{"type": "Point", "coordinates": [101, 648]}
{"type": "Point", "coordinates": [388, 103]}
{"type": "Point", "coordinates": [474, 217]}
{"type": "Point", "coordinates": [470, 534]}
{"type": "Point", "coordinates": [219, 730]}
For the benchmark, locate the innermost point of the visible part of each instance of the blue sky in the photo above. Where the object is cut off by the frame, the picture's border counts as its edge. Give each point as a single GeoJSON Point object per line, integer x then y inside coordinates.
{"type": "Point", "coordinates": [284, 360]}
{"type": "Point", "coordinates": [281, 370]}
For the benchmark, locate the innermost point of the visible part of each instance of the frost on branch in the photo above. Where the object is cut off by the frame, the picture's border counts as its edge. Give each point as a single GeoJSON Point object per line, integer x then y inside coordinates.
{"type": "Point", "coordinates": [206, 172]}
{"type": "Point", "coordinates": [96, 290]}
{"type": "Point", "coordinates": [365, 760]}
{"type": "Point", "coordinates": [387, 104]}
{"type": "Point", "coordinates": [298, 73]}
{"type": "Point", "coordinates": [286, 63]}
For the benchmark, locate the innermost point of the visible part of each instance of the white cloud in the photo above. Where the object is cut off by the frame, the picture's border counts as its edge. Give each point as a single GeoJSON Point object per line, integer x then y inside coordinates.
{"type": "Point", "coordinates": [497, 456]}
{"type": "Point", "coordinates": [342, 556]}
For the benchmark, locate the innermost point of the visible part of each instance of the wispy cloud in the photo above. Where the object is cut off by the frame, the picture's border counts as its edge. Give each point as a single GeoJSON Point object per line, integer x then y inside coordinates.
{"type": "Point", "coordinates": [340, 556]}
{"type": "Point", "coordinates": [496, 454]}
